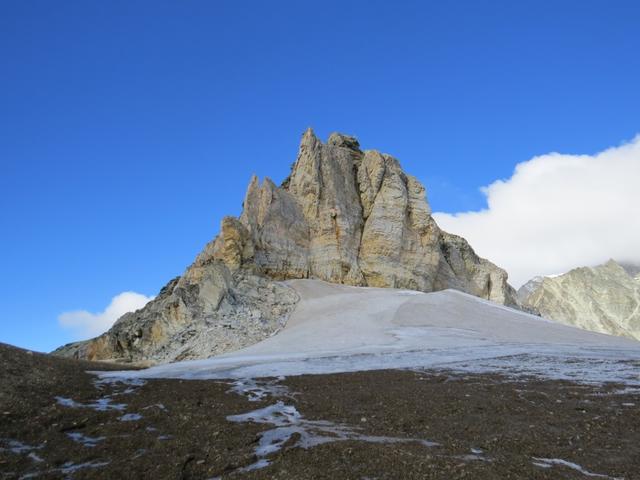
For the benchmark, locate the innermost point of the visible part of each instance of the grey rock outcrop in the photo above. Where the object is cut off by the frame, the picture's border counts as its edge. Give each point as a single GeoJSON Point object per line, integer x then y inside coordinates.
{"type": "Point", "coordinates": [603, 299]}
{"type": "Point", "coordinates": [343, 215]}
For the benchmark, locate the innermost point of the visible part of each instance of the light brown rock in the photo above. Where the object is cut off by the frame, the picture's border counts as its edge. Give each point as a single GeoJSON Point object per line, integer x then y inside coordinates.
{"type": "Point", "coordinates": [354, 217]}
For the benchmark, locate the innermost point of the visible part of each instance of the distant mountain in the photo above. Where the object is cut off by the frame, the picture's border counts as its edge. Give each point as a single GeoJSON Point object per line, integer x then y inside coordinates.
{"type": "Point", "coordinates": [631, 268]}
{"type": "Point", "coordinates": [528, 288]}
{"type": "Point", "coordinates": [343, 215]}
{"type": "Point", "coordinates": [603, 299]}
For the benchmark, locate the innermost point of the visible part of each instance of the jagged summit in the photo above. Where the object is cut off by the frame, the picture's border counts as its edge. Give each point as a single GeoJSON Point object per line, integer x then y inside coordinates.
{"type": "Point", "coordinates": [343, 215]}
{"type": "Point", "coordinates": [353, 217]}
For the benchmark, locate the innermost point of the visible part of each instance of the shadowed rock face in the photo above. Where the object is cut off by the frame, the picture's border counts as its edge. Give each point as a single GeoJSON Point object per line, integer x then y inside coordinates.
{"type": "Point", "coordinates": [603, 299]}
{"type": "Point", "coordinates": [343, 215]}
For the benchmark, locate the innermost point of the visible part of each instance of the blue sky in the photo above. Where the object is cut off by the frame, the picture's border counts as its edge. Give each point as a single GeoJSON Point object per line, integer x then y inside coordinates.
{"type": "Point", "coordinates": [129, 128]}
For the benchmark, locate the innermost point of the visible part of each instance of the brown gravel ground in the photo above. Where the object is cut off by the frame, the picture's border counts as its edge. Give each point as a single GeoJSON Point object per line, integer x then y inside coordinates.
{"type": "Point", "coordinates": [183, 432]}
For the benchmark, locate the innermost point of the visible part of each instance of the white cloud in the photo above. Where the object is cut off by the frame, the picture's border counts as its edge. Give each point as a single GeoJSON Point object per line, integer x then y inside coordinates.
{"type": "Point", "coordinates": [86, 324]}
{"type": "Point", "coordinates": [558, 212]}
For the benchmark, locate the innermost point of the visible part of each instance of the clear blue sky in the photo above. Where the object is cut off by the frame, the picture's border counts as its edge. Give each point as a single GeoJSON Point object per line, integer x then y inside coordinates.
{"type": "Point", "coordinates": [129, 128]}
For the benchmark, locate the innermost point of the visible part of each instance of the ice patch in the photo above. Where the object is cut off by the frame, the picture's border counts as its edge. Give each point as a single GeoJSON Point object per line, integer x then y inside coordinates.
{"type": "Point", "coordinates": [35, 457]}
{"type": "Point", "coordinates": [290, 424]}
{"type": "Point", "coordinates": [263, 462]}
{"type": "Point", "coordinates": [115, 382]}
{"type": "Point", "coordinates": [256, 391]}
{"type": "Point", "coordinates": [130, 417]}
{"type": "Point", "coordinates": [626, 391]}
{"type": "Point", "coordinates": [472, 458]}
{"type": "Point", "coordinates": [159, 406]}
{"type": "Point", "coordinates": [67, 468]}
{"type": "Point", "coordinates": [20, 448]}
{"type": "Point", "coordinates": [100, 405]}
{"type": "Point", "coordinates": [550, 462]}
{"type": "Point", "coordinates": [71, 467]}
{"type": "Point", "coordinates": [476, 455]}
{"type": "Point", "coordinates": [15, 446]}
{"type": "Point", "coordinates": [579, 367]}
{"type": "Point", "coordinates": [85, 440]}
{"type": "Point", "coordinates": [67, 402]}
{"type": "Point", "coordinates": [119, 386]}
{"type": "Point", "coordinates": [140, 452]}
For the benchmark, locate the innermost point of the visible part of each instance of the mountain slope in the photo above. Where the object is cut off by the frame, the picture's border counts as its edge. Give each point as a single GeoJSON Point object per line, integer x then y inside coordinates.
{"type": "Point", "coordinates": [603, 299]}
{"type": "Point", "coordinates": [344, 215]}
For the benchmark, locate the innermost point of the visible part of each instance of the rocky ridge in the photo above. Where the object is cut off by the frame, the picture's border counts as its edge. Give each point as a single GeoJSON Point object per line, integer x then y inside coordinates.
{"type": "Point", "coordinates": [603, 299]}
{"type": "Point", "coordinates": [343, 215]}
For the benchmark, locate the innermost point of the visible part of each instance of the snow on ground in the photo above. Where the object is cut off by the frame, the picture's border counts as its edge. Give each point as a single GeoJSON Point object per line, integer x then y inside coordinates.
{"type": "Point", "coordinates": [290, 425]}
{"type": "Point", "coordinates": [550, 462]}
{"type": "Point", "coordinates": [337, 328]}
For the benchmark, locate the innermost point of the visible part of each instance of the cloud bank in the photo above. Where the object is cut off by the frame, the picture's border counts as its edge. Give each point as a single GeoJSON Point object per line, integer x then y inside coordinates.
{"type": "Point", "coordinates": [86, 324]}
{"type": "Point", "coordinates": [558, 212]}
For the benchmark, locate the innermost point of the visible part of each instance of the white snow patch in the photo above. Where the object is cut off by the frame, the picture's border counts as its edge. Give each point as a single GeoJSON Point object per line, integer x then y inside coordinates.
{"type": "Point", "coordinates": [16, 446]}
{"type": "Point", "coordinates": [159, 406]}
{"type": "Point", "coordinates": [35, 457]}
{"type": "Point", "coordinates": [337, 328]}
{"type": "Point", "coordinates": [71, 467]}
{"type": "Point", "coordinates": [85, 440]}
{"type": "Point", "coordinates": [550, 462]}
{"type": "Point", "coordinates": [289, 422]}
{"type": "Point", "coordinates": [130, 417]}
{"type": "Point", "coordinates": [66, 469]}
{"type": "Point", "coordinates": [100, 405]}
{"type": "Point", "coordinates": [256, 391]}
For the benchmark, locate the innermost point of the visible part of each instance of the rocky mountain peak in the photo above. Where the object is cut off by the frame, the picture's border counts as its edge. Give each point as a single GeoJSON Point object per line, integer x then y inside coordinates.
{"type": "Point", "coordinates": [351, 216]}
{"type": "Point", "coordinates": [309, 139]}
{"type": "Point", "coordinates": [613, 266]}
{"type": "Point", "coordinates": [346, 141]}
{"type": "Point", "coordinates": [344, 216]}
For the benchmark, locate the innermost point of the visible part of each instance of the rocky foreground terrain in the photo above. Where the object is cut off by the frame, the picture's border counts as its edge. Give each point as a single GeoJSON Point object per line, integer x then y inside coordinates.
{"type": "Point", "coordinates": [57, 421]}
{"type": "Point", "coordinates": [603, 299]}
{"type": "Point", "coordinates": [344, 215]}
